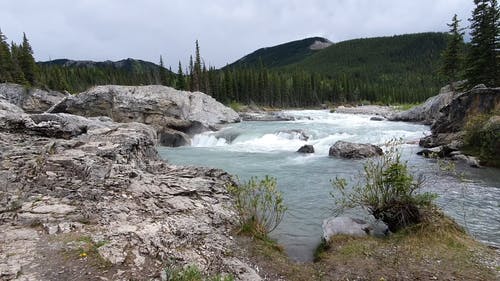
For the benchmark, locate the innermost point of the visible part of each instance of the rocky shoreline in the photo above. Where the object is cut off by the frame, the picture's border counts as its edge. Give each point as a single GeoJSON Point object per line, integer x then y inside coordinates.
{"type": "Point", "coordinates": [84, 195]}
{"type": "Point", "coordinates": [89, 199]}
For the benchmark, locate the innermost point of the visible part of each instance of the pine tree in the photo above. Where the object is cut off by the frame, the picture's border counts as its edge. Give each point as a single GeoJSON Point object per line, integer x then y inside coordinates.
{"type": "Point", "coordinates": [483, 65]}
{"type": "Point", "coordinates": [162, 73]}
{"type": "Point", "coordinates": [27, 61]}
{"type": "Point", "coordinates": [181, 82]}
{"type": "Point", "coordinates": [17, 72]}
{"type": "Point", "coordinates": [197, 73]}
{"type": "Point", "coordinates": [6, 64]}
{"type": "Point", "coordinates": [452, 57]}
{"type": "Point", "coordinates": [191, 73]}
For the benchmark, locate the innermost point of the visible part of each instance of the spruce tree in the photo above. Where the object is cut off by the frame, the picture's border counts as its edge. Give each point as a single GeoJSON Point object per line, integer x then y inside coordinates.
{"type": "Point", "coordinates": [162, 73]}
{"type": "Point", "coordinates": [17, 72]}
{"type": "Point", "coordinates": [27, 61]}
{"type": "Point", "coordinates": [6, 64]}
{"type": "Point", "coordinates": [181, 82]}
{"type": "Point", "coordinates": [196, 75]}
{"type": "Point", "coordinates": [482, 60]}
{"type": "Point", "coordinates": [452, 57]}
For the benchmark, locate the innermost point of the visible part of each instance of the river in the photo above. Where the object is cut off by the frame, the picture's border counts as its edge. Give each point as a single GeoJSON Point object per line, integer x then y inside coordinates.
{"type": "Point", "coordinates": [269, 148]}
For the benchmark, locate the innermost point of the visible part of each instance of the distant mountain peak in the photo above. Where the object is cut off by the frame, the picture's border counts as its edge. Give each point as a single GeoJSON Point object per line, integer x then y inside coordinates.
{"type": "Point", "coordinates": [320, 44]}
{"type": "Point", "coordinates": [283, 54]}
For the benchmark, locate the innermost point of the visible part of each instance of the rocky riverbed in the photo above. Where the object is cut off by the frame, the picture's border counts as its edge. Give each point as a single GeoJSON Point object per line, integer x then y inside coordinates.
{"type": "Point", "coordinates": [89, 199]}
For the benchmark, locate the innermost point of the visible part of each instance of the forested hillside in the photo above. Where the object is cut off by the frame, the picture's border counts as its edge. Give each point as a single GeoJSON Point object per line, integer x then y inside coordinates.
{"type": "Point", "coordinates": [395, 69]}
{"type": "Point", "coordinates": [309, 72]}
{"type": "Point", "coordinates": [283, 54]}
{"type": "Point", "coordinates": [77, 76]}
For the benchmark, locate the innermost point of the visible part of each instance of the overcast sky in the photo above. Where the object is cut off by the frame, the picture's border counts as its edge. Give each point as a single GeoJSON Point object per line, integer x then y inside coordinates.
{"type": "Point", "coordinates": [226, 29]}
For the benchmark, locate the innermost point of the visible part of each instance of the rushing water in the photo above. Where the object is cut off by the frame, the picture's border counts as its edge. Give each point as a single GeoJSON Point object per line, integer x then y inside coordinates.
{"type": "Point", "coordinates": [269, 148]}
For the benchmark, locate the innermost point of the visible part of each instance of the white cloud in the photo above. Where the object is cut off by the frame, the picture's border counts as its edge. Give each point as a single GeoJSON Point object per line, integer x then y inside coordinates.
{"type": "Point", "coordinates": [227, 30]}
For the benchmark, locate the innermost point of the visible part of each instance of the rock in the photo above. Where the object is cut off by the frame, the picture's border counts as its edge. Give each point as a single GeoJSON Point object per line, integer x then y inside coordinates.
{"type": "Point", "coordinates": [113, 253]}
{"type": "Point", "coordinates": [173, 113]}
{"type": "Point", "coordinates": [306, 149]}
{"type": "Point", "coordinates": [354, 150]}
{"type": "Point", "coordinates": [383, 111]}
{"type": "Point", "coordinates": [103, 182]}
{"type": "Point", "coordinates": [351, 226]}
{"type": "Point", "coordinates": [49, 125]}
{"type": "Point", "coordinates": [294, 134]}
{"type": "Point", "coordinates": [265, 116]}
{"type": "Point", "coordinates": [469, 160]}
{"type": "Point", "coordinates": [9, 107]}
{"type": "Point", "coordinates": [376, 118]}
{"type": "Point", "coordinates": [31, 100]}
{"type": "Point", "coordinates": [155, 105]}
{"type": "Point", "coordinates": [476, 101]}
{"type": "Point", "coordinates": [172, 138]}
{"type": "Point", "coordinates": [429, 111]}
{"type": "Point", "coordinates": [440, 151]}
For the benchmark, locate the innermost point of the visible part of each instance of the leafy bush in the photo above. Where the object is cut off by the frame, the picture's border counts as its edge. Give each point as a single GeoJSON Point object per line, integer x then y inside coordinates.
{"type": "Point", "coordinates": [388, 191]}
{"type": "Point", "coordinates": [259, 204]}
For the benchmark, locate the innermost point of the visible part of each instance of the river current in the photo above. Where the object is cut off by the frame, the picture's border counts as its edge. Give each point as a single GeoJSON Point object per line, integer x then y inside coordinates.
{"type": "Point", "coordinates": [249, 149]}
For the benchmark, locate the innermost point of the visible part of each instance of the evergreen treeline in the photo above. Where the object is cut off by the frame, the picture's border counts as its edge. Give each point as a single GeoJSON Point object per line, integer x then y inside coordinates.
{"type": "Point", "coordinates": [398, 69]}
{"type": "Point", "coordinates": [479, 62]}
{"type": "Point", "coordinates": [78, 76]}
{"type": "Point", "coordinates": [17, 64]}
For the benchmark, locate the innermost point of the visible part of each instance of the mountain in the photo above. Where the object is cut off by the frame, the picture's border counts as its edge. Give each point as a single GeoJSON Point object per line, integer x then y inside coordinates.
{"type": "Point", "coordinates": [406, 54]}
{"type": "Point", "coordinates": [394, 69]}
{"type": "Point", "coordinates": [284, 54]}
{"type": "Point", "coordinates": [77, 76]}
{"type": "Point", "coordinates": [130, 65]}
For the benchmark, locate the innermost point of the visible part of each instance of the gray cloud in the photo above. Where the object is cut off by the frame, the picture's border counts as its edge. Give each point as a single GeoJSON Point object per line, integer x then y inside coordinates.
{"type": "Point", "coordinates": [227, 30]}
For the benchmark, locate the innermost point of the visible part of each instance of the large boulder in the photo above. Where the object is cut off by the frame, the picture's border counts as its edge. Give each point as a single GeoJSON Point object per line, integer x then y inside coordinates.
{"type": "Point", "coordinates": [451, 124]}
{"type": "Point", "coordinates": [31, 100]}
{"type": "Point", "coordinates": [354, 150]}
{"type": "Point", "coordinates": [306, 149]}
{"type": "Point", "coordinates": [429, 111]}
{"type": "Point", "coordinates": [164, 108]}
{"type": "Point", "coordinates": [479, 100]}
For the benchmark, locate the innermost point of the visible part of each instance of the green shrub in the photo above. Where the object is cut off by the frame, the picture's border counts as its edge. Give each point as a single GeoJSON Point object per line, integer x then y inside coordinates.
{"type": "Point", "coordinates": [482, 138]}
{"type": "Point", "coordinates": [259, 204]}
{"type": "Point", "coordinates": [236, 106]}
{"type": "Point", "coordinates": [388, 191]}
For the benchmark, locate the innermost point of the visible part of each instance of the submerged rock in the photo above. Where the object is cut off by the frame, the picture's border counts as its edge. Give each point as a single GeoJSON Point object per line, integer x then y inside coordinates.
{"type": "Point", "coordinates": [294, 134]}
{"type": "Point", "coordinates": [354, 150]}
{"type": "Point", "coordinates": [376, 118]}
{"type": "Point", "coordinates": [306, 149]}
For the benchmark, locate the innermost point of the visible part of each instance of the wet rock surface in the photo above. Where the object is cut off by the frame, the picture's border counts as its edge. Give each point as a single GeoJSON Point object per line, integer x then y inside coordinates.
{"type": "Point", "coordinates": [307, 149]}
{"type": "Point", "coordinates": [89, 199]}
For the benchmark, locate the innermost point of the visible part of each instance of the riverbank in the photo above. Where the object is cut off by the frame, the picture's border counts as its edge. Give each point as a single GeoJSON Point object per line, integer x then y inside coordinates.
{"type": "Point", "coordinates": [433, 250]}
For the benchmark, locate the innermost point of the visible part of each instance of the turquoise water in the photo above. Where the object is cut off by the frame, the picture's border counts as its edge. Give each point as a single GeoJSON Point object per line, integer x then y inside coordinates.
{"type": "Point", "coordinates": [269, 148]}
